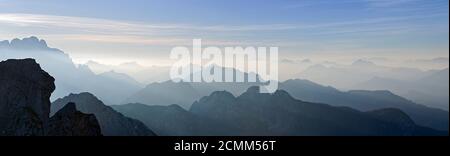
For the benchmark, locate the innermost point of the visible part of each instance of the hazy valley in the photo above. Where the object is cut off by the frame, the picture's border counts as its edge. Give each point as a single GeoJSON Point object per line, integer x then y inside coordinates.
{"type": "Point", "coordinates": [134, 100]}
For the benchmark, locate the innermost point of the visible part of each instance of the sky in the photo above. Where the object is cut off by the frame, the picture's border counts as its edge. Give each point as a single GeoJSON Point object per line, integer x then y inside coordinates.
{"type": "Point", "coordinates": [117, 31]}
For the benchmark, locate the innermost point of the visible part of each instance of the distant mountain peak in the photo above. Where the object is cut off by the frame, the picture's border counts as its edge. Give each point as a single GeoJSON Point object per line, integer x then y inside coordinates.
{"type": "Point", "coordinates": [26, 43]}
{"type": "Point", "coordinates": [253, 90]}
{"type": "Point", "coordinates": [299, 80]}
{"type": "Point", "coordinates": [175, 107]}
{"type": "Point", "coordinates": [68, 108]}
{"type": "Point", "coordinates": [282, 93]}
{"type": "Point", "coordinates": [254, 93]}
{"type": "Point", "coordinates": [216, 98]}
{"type": "Point", "coordinates": [69, 121]}
{"type": "Point", "coordinates": [306, 83]}
{"type": "Point", "coordinates": [393, 115]}
{"type": "Point", "coordinates": [384, 93]}
{"type": "Point", "coordinates": [83, 94]}
{"type": "Point", "coordinates": [111, 122]}
{"type": "Point", "coordinates": [222, 94]}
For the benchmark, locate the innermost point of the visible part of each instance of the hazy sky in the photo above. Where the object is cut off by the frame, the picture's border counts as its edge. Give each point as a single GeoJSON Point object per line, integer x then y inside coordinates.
{"type": "Point", "coordinates": [115, 31]}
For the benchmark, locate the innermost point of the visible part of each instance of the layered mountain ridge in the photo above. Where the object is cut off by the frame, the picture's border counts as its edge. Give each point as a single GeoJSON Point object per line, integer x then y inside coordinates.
{"type": "Point", "coordinates": [69, 77]}
{"type": "Point", "coordinates": [112, 123]}
{"type": "Point", "coordinates": [278, 114]}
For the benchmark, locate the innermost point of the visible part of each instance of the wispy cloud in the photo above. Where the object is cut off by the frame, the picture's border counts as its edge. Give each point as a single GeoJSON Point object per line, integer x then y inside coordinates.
{"type": "Point", "coordinates": [130, 32]}
{"type": "Point", "coordinates": [104, 26]}
{"type": "Point", "coordinates": [81, 23]}
{"type": "Point", "coordinates": [389, 3]}
{"type": "Point", "coordinates": [116, 31]}
{"type": "Point", "coordinates": [408, 6]}
{"type": "Point", "coordinates": [313, 3]}
{"type": "Point", "coordinates": [129, 39]}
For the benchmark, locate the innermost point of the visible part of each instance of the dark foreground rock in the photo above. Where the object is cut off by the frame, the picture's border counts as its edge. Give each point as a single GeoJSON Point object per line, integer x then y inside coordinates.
{"type": "Point", "coordinates": [111, 122]}
{"type": "Point", "coordinates": [70, 122]}
{"type": "Point", "coordinates": [25, 91]}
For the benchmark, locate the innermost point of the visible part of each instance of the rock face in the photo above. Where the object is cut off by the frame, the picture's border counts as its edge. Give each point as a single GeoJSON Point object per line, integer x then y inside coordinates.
{"type": "Point", "coordinates": [112, 123]}
{"type": "Point", "coordinates": [70, 122]}
{"type": "Point", "coordinates": [25, 91]}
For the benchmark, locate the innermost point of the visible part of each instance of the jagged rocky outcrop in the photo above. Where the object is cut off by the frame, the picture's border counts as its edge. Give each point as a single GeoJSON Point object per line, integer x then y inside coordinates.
{"type": "Point", "coordinates": [70, 122]}
{"type": "Point", "coordinates": [25, 91]}
{"type": "Point", "coordinates": [31, 43]}
{"type": "Point", "coordinates": [112, 123]}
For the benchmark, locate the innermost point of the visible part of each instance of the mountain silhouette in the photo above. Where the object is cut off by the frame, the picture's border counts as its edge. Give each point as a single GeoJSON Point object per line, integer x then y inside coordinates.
{"type": "Point", "coordinates": [366, 101]}
{"type": "Point", "coordinates": [71, 122]}
{"type": "Point", "coordinates": [426, 87]}
{"type": "Point", "coordinates": [166, 93]}
{"type": "Point", "coordinates": [432, 89]}
{"type": "Point", "coordinates": [254, 113]}
{"type": "Point", "coordinates": [112, 123]}
{"type": "Point", "coordinates": [25, 91]}
{"type": "Point", "coordinates": [121, 77]}
{"type": "Point", "coordinates": [347, 76]}
{"type": "Point", "coordinates": [186, 93]}
{"type": "Point", "coordinates": [69, 77]}
{"type": "Point", "coordinates": [143, 74]}
{"type": "Point", "coordinates": [173, 120]}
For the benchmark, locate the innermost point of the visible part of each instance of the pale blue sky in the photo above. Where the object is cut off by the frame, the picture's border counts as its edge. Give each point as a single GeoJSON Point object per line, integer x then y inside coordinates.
{"type": "Point", "coordinates": [146, 30]}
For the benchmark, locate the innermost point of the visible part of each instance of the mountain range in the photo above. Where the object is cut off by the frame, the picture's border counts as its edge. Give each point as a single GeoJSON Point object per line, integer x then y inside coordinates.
{"type": "Point", "coordinates": [112, 123]}
{"type": "Point", "coordinates": [427, 87]}
{"type": "Point", "coordinates": [299, 107]}
{"type": "Point", "coordinates": [70, 78]}
{"type": "Point", "coordinates": [278, 114]}
{"type": "Point", "coordinates": [431, 89]}
{"type": "Point", "coordinates": [140, 73]}
{"type": "Point", "coordinates": [366, 101]}
{"type": "Point", "coordinates": [173, 120]}
{"type": "Point", "coordinates": [184, 94]}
